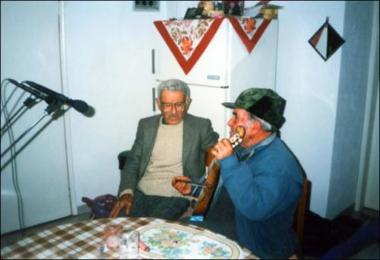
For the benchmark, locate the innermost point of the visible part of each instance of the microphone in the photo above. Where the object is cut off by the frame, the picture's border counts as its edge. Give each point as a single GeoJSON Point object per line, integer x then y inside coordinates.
{"type": "Point", "coordinates": [77, 104]}
{"type": "Point", "coordinates": [28, 89]}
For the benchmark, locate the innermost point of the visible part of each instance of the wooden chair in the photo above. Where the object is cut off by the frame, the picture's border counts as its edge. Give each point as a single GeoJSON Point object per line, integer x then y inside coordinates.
{"type": "Point", "coordinates": [303, 206]}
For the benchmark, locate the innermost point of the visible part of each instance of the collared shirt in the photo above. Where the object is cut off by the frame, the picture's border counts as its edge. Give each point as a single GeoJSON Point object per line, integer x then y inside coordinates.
{"type": "Point", "coordinates": [244, 154]}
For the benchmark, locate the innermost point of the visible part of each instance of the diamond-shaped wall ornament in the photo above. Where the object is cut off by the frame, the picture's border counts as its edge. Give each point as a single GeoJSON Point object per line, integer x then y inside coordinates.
{"type": "Point", "coordinates": [326, 40]}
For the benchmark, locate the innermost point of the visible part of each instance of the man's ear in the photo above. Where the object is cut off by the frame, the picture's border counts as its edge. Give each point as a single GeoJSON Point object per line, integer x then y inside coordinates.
{"type": "Point", "coordinates": [256, 126]}
{"type": "Point", "coordinates": [188, 102]}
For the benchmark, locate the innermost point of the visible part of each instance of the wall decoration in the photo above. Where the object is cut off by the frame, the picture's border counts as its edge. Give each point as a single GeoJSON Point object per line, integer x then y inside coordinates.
{"type": "Point", "coordinates": [249, 29]}
{"type": "Point", "coordinates": [188, 39]}
{"type": "Point", "coordinates": [326, 41]}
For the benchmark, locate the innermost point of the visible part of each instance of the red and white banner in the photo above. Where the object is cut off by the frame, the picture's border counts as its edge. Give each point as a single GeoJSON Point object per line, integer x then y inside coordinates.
{"type": "Point", "coordinates": [249, 29]}
{"type": "Point", "coordinates": [188, 39]}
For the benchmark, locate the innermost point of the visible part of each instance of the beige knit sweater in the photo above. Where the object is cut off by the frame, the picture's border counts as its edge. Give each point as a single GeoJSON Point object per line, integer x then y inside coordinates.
{"type": "Point", "coordinates": [165, 162]}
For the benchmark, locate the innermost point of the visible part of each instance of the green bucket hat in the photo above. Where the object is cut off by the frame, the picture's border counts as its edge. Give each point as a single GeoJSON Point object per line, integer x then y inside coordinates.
{"type": "Point", "coordinates": [263, 103]}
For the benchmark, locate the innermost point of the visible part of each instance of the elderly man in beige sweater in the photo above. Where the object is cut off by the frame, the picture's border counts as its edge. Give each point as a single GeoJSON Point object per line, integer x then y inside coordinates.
{"type": "Point", "coordinates": [166, 146]}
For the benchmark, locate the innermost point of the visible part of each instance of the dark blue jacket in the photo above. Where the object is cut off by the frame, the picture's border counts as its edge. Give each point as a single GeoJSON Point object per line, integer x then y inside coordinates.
{"type": "Point", "coordinates": [265, 189]}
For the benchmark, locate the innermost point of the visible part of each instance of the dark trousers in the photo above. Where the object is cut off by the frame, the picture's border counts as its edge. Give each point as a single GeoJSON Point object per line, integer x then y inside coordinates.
{"type": "Point", "coordinates": [170, 208]}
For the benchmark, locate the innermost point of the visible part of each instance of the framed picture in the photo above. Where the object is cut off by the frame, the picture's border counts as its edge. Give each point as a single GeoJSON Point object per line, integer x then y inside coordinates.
{"type": "Point", "coordinates": [193, 13]}
{"type": "Point", "coordinates": [147, 5]}
{"type": "Point", "coordinates": [326, 41]}
{"type": "Point", "coordinates": [235, 8]}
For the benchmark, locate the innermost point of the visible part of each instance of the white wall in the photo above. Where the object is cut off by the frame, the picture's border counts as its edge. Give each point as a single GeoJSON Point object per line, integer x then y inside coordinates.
{"type": "Point", "coordinates": [310, 86]}
{"type": "Point", "coordinates": [325, 99]}
{"type": "Point", "coordinates": [108, 49]}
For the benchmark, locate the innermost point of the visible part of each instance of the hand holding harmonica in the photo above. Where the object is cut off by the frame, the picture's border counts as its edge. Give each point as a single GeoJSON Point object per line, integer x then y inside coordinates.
{"type": "Point", "coordinates": [224, 147]}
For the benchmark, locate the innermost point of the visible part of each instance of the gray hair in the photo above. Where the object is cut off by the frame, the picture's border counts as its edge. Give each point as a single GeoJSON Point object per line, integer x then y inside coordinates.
{"type": "Point", "coordinates": [174, 85]}
{"type": "Point", "coordinates": [264, 124]}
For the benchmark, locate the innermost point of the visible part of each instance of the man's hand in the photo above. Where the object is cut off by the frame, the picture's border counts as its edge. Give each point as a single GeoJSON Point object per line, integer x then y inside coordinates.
{"type": "Point", "coordinates": [222, 149]}
{"type": "Point", "coordinates": [181, 183]}
{"type": "Point", "coordinates": [124, 202]}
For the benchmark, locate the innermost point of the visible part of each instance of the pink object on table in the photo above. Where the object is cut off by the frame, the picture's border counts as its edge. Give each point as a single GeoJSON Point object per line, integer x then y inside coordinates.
{"type": "Point", "coordinates": [143, 246]}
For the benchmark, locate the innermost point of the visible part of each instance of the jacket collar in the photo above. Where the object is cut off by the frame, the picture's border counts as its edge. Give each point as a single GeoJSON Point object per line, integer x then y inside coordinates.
{"type": "Point", "coordinates": [245, 154]}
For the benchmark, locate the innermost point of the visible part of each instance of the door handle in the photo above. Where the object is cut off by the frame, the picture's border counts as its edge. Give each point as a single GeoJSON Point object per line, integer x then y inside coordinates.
{"type": "Point", "coordinates": [153, 55]}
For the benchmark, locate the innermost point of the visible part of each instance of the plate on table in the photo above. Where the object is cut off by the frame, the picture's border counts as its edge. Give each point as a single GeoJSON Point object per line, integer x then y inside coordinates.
{"type": "Point", "coordinates": [170, 240]}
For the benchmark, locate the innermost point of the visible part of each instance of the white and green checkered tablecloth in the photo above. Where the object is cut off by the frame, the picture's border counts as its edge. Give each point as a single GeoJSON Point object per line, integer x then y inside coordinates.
{"type": "Point", "coordinates": [80, 240]}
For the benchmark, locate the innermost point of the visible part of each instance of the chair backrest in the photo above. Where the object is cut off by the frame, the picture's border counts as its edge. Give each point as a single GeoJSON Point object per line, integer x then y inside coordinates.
{"type": "Point", "coordinates": [122, 158]}
{"type": "Point", "coordinates": [303, 205]}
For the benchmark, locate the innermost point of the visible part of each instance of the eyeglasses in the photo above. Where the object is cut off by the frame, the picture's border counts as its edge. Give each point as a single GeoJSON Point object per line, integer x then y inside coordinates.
{"type": "Point", "coordinates": [169, 106]}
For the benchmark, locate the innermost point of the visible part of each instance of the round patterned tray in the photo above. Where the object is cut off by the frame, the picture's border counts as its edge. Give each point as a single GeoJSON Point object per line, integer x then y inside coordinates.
{"type": "Point", "coordinates": [169, 240]}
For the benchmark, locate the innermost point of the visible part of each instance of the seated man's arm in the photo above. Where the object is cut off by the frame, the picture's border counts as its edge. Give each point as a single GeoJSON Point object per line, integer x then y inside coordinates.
{"type": "Point", "coordinates": [129, 176]}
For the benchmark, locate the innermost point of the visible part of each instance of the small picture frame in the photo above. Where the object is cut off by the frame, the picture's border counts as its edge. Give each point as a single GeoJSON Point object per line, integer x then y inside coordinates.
{"type": "Point", "coordinates": [233, 8]}
{"type": "Point", "coordinates": [146, 5]}
{"type": "Point", "coordinates": [193, 13]}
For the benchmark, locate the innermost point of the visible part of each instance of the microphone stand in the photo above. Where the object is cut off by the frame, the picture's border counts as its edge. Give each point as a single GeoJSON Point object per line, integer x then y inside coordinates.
{"type": "Point", "coordinates": [54, 100]}
{"type": "Point", "coordinates": [28, 103]}
{"type": "Point", "coordinates": [23, 134]}
{"type": "Point", "coordinates": [52, 107]}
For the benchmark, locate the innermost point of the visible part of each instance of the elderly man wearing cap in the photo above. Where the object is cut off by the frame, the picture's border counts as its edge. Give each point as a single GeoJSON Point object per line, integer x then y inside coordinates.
{"type": "Point", "coordinates": [262, 176]}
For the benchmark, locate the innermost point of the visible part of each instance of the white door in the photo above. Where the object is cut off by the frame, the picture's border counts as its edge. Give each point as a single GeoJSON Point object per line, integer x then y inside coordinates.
{"type": "Point", "coordinates": [38, 190]}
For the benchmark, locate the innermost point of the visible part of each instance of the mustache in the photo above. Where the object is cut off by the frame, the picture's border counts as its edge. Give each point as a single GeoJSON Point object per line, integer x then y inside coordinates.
{"type": "Point", "coordinates": [173, 115]}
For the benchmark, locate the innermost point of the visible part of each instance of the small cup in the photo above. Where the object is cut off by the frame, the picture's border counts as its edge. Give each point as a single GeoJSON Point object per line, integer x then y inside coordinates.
{"type": "Point", "coordinates": [112, 235]}
{"type": "Point", "coordinates": [133, 243]}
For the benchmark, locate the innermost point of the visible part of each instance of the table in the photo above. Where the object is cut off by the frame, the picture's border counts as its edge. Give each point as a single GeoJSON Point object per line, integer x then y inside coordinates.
{"type": "Point", "coordinates": [84, 239]}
